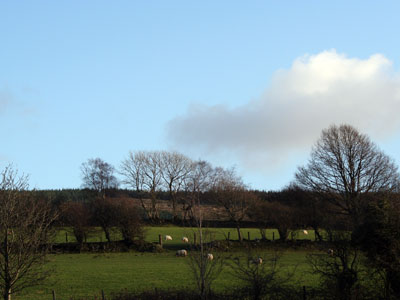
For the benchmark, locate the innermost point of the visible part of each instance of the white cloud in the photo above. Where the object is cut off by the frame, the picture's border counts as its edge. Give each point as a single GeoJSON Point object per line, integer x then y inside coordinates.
{"type": "Point", "coordinates": [317, 91]}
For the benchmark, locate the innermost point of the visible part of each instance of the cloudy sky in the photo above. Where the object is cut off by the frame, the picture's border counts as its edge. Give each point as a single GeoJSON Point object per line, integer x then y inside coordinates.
{"type": "Point", "coordinates": [244, 85]}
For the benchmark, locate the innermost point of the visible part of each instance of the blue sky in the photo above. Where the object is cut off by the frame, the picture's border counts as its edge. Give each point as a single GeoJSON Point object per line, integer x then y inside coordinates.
{"type": "Point", "coordinates": [86, 79]}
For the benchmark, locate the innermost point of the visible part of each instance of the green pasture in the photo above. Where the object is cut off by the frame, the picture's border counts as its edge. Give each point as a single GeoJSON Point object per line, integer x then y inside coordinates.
{"type": "Point", "coordinates": [152, 233]}
{"type": "Point", "coordinates": [78, 276]}
{"type": "Point", "coordinates": [85, 275]}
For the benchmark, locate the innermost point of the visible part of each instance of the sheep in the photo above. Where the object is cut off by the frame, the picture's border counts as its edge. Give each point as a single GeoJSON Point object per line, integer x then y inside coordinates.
{"type": "Point", "coordinates": [168, 238]}
{"type": "Point", "coordinates": [257, 261]}
{"type": "Point", "coordinates": [330, 252]}
{"type": "Point", "coordinates": [185, 239]}
{"type": "Point", "coordinates": [210, 256]}
{"type": "Point", "coordinates": [181, 252]}
{"type": "Point", "coordinates": [305, 232]}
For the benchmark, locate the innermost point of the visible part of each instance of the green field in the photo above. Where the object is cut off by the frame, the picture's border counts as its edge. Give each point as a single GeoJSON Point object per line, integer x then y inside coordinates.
{"type": "Point", "coordinates": [97, 235]}
{"type": "Point", "coordinates": [86, 274]}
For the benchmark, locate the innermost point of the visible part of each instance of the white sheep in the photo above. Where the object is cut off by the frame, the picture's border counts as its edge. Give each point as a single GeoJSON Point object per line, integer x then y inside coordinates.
{"type": "Point", "coordinates": [185, 239]}
{"type": "Point", "coordinates": [181, 252]}
{"type": "Point", "coordinates": [305, 232]}
{"type": "Point", "coordinates": [168, 238]}
{"type": "Point", "coordinates": [210, 256]}
{"type": "Point", "coordinates": [257, 261]}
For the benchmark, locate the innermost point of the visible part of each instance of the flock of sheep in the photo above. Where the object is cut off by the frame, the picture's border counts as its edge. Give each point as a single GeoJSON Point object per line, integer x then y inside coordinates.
{"type": "Point", "coordinates": [210, 256]}
{"type": "Point", "coordinates": [183, 252]}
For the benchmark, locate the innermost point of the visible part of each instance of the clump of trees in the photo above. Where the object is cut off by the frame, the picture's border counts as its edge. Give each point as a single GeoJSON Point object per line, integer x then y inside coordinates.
{"type": "Point", "coordinates": [77, 216]}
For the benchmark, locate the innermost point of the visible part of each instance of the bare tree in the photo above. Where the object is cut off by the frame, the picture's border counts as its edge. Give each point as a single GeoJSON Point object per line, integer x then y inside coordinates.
{"type": "Point", "coordinates": [197, 182]}
{"type": "Point", "coordinates": [132, 171]}
{"type": "Point", "coordinates": [204, 270]}
{"type": "Point", "coordinates": [229, 191]}
{"type": "Point", "coordinates": [261, 276]}
{"type": "Point", "coordinates": [25, 233]}
{"type": "Point", "coordinates": [141, 171]}
{"type": "Point", "coordinates": [345, 165]}
{"type": "Point", "coordinates": [175, 169]}
{"type": "Point", "coordinates": [98, 175]}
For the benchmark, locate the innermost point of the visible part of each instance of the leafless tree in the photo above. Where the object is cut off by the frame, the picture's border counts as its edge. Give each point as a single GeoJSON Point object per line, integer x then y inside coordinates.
{"type": "Point", "coordinates": [229, 191]}
{"type": "Point", "coordinates": [141, 171]}
{"type": "Point", "coordinates": [25, 233]}
{"type": "Point", "coordinates": [204, 270]}
{"type": "Point", "coordinates": [345, 165]}
{"type": "Point", "coordinates": [175, 169]}
{"type": "Point", "coordinates": [197, 182]}
{"type": "Point", "coordinates": [261, 276]}
{"type": "Point", "coordinates": [98, 175]}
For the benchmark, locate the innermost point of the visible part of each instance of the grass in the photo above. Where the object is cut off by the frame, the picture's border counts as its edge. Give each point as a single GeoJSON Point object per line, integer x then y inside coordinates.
{"type": "Point", "coordinates": [85, 275]}
{"type": "Point", "coordinates": [97, 235]}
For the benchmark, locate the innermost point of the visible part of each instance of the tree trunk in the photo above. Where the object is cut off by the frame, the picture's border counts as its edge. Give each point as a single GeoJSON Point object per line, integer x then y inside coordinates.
{"type": "Point", "coordinates": [107, 233]}
{"type": "Point", "coordinates": [7, 294]}
{"type": "Point", "coordinates": [6, 275]}
{"type": "Point", "coordinates": [318, 235]}
{"type": "Point", "coordinates": [283, 234]}
{"type": "Point", "coordinates": [175, 215]}
{"type": "Point", "coordinates": [240, 238]}
{"type": "Point", "coordinates": [154, 210]}
{"type": "Point", "coordinates": [263, 233]}
{"type": "Point", "coordinates": [148, 214]}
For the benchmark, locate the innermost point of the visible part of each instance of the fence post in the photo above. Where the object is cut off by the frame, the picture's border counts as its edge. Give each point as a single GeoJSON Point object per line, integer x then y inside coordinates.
{"type": "Point", "coordinates": [304, 293]}
{"type": "Point", "coordinates": [54, 294]}
{"type": "Point", "coordinates": [102, 295]}
{"type": "Point", "coordinates": [273, 235]}
{"type": "Point", "coordinates": [248, 235]}
{"type": "Point", "coordinates": [229, 235]}
{"type": "Point", "coordinates": [66, 237]}
{"type": "Point", "coordinates": [160, 239]}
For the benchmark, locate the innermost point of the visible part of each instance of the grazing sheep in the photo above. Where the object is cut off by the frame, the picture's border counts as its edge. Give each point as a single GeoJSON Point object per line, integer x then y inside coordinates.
{"type": "Point", "coordinates": [181, 252]}
{"type": "Point", "coordinates": [305, 232]}
{"type": "Point", "coordinates": [185, 239]}
{"type": "Point", "coordinates": [257, 261]}
{"type": "Point", "coordinates": [168, 238]}
{"type": "Point", "coordinates": [210, 256]}
{"type": "Point", "coordinates": [330, 252]}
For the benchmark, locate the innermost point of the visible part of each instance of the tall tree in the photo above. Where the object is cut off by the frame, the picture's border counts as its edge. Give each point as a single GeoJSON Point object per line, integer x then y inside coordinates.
{"type": "Point", "coordinates": [25, 233]}
{"type": "Point", "coordinates": [196, 183]}
{"type": "Point", "coordinates": [229, 191]}
{"type": "Point", "coordinates": [175, 169]}
{"type": "Point", "coordinates": [344, 166]}
{"type": "Point", "coordinates": [141, 170]}
{"type": "Point", "coordinates": [98, 175]}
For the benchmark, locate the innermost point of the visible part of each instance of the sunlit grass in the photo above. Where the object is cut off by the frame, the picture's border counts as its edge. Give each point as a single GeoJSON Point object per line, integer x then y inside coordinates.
{"type": "Point", "coordinates": [86, 274]}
